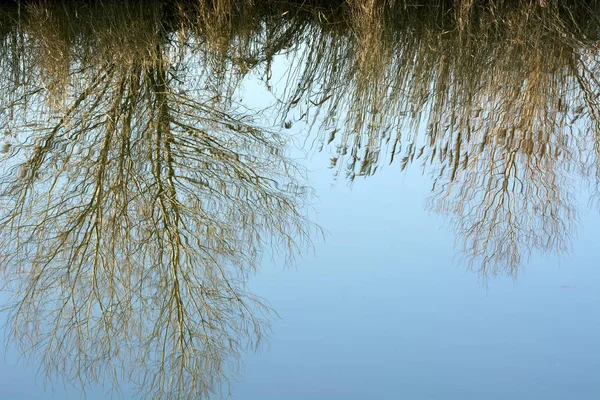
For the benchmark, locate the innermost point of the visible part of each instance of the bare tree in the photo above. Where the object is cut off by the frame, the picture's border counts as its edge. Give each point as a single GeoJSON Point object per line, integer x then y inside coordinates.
{"type": "Point", "coordinates": [496, 103]}
{"type": "Point", "coordinates": [134, 207]}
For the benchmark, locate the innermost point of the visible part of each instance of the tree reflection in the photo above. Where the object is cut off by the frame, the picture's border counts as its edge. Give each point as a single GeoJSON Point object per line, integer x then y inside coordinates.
{"type": "Point", "coordinates": [137, 196]}
{"type": "Point", "coordinates": [497, 102]}
{"type": "Point", "coordinates": [134, 206]}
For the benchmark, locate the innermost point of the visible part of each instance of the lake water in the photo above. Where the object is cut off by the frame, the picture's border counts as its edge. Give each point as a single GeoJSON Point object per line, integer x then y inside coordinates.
{"type": "Point", "coordinates": [307, 203]}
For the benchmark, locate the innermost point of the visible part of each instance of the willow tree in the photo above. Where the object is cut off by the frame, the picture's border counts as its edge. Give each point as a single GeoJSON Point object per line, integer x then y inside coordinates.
{"type": "Point", "coordinates": [496, 102]}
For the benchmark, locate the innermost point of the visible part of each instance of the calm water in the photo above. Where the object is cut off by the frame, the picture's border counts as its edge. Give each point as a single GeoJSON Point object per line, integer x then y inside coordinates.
{"type": "Point", "coordinates": [299, 203]}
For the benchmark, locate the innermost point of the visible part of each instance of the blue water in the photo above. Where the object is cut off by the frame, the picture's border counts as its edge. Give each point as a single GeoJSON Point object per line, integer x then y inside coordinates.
{"type": "Point", "coordinates": [383, 309]}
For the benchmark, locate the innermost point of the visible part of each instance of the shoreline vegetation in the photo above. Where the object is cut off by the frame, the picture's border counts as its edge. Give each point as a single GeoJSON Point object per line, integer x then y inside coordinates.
{"type": "Point", "coordinates": [139, 195]}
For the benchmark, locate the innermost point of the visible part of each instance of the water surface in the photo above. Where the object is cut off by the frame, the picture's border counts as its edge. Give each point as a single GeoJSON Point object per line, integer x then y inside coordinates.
{"type": "Point", "coordinates": [383, 202]}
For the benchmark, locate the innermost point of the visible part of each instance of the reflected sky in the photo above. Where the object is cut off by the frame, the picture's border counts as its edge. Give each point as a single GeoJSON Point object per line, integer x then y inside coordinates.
{"type": "Point", "coordinates": [162, 165]}
{"type": "Point", "coordinates": [391, 313]}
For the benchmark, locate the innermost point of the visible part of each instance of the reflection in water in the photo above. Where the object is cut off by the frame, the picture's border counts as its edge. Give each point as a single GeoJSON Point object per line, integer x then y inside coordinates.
{"type": "Point", "coordinates": [502, 111]}
{"type": "Point", "coordinates": [137, 196]}
{"type": "Point", "coordinates": [134, 204]}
